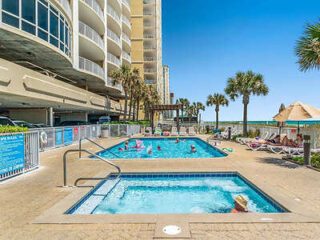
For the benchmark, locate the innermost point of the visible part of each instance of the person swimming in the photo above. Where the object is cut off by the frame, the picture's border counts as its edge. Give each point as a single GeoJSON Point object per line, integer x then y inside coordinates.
{"type": "Point", "coordinates": [193, 148]}
{"type": "Point", "coordinates": [177, 140]}
{"type": "Point", "coordinates": [159, 148]}
{"type": "Point", "coordinates": [149, 150]}
{"type": "Point", "coordinates": [126, 147]}
{"type": "Point", "coordinates": [120, 149]}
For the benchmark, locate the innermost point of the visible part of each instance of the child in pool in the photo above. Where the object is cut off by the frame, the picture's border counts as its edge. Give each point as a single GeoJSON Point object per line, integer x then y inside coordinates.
{"type": "Point", "coordinates": [126, 147]}
{"type": "Point", "coordinates": [176, 141]}
{"type": "Point", "coordinates": [193, 148]}
{"type": "Point", "coordinates": [149, 150]}
{"type": "Point", "coordinates": [159, 148]}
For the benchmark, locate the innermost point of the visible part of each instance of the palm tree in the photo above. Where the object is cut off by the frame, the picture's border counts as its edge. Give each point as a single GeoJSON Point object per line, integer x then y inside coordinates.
{"type": "Point", "coordinates": [141, 93]}
{"type": "Point", "coordinates": [198, 107]}
{"type": "Point", "coordinates": [308, 48]}
{"type": "Point", "coordinates": [217, 100]}
{"type": "Point", "coordinates": [191, 110]}
{"type": "Point", "coordinates": [134, 78]}
{"type": "Point", "coordinates": [122, 76]}
{"type": "Point", "coordinates": [245, 84]}
{"type": "Point", "coordinates": [185, 104]}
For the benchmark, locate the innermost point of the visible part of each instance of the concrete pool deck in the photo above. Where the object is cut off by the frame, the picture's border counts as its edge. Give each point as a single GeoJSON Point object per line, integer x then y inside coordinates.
{"type": "Point", "coordinates": [27, 200]}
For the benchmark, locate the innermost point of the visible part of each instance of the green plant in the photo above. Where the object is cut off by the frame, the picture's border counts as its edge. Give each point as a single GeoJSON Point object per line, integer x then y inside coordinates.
{"type": "Point", "coordinates": [217, 100]}
{"type": "Point", "coordinates": [12, 129]}
{"type": "Point", "coordinates": [315, 160]}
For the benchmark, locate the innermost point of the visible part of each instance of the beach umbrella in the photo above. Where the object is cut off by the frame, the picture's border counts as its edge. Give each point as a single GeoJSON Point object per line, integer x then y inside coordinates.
{"type": "Point", "coordinates": [297, 111]}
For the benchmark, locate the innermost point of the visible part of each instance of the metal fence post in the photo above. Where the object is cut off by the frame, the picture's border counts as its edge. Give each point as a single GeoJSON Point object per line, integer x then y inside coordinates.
{"type": "Point", "coordinates": [307, 150]}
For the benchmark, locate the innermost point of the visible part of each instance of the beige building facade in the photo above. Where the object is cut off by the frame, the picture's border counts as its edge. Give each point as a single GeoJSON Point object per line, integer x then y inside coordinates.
{"type": "Point", "coordinates": [56, 56]}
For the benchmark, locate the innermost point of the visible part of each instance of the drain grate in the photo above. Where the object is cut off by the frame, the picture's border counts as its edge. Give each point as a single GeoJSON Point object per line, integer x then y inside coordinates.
{"type": "Point", "coordinates": [171, 230]}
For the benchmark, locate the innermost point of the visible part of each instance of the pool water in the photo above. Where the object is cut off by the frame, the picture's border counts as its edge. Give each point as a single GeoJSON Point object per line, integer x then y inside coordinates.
{"type": "Point", "coordinates": [169, 149]}
{"type": "Point", "coordinates": [174, 193]}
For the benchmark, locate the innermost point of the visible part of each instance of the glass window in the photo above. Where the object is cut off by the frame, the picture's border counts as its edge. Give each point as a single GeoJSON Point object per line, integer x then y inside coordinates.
{"type": "Point", "coordinates": [42, 17]}
{"type": "Point", "coordinates": [53, 24]}
{"type": "Point", "coordinates": [61, 31]}
{"type": "Point", "coordinates": [44, 2]}
{"type": "Point", "coordinates": [43, 35]}
{"type": "Point", "coordinates": [53, 41]}
{"type": "Point", "coordinates": [54, 10]}
{"type": "Point", "coordinates": [11, 6]}
{"type": "Point", "coordinates": [61, 46]}
{"type": "Point", "coordinates": [8, 19]}
{"type": "Point", "coordinates": [67, 37]}
{"type": "Point", "coordinates": [28, 28]}
{"type": "Point", "coordinates": [29, 10]}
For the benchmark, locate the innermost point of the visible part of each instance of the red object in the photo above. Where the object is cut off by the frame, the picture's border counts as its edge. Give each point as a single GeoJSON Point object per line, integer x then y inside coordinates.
{"type": "Point", "coordinates": [293, 130]}
{"type": "Point", "coordinates": [159, 148]}
{"type": "Point", "coordinates": [75, 131]}
{"type": "Point", "coordinates": [120, 149]}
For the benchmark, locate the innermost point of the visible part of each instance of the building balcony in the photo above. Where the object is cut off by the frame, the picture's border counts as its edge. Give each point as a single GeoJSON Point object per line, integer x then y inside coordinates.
{"type": "Point", "coordinates": [114, 42]}
{"type": "Point", "coordinates": [113, 17]}
{"type": "Point", "coordinates": [66, 6]}
{"type": "Point", "coordinates": [148, 2]}
{"type": "Point", "coordinates": [116, 85]}
{"type": "Point", "coordinates": [91, 13]}
{"type": "Point", "coordinates": [113, 61]}
{"type": "Point", "coordinates": [149, 70]}
{"type": "Point", "coordinates": [91, 44]}
{"type": "Point", "coordinates": [91, 67]}
{"type": "Point", "coordinates": [149, 25]}
{"type": "Point", "coordinates": [126, 42]}
{"type": "Point", "coordinates": [149, 36]}
{"type": "Point", "coordinates": [126, 24]}
{"type": "Point", "coordinates": [149, 49]}
{"type": "Point", "coordinates": [148, 13]}
{"type": "Point", "coordinates": [126, 57]}
{"type": "Point", "coordinates": [126, 4]}
{"type": "Point", "coordinates": [150, 59]}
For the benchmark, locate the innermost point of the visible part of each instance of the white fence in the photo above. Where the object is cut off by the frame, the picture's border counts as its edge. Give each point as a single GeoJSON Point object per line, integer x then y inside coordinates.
{"type": "Point", "coordinates": [120, 130]}
{"type": "Point", "coordinates": [19, 153]}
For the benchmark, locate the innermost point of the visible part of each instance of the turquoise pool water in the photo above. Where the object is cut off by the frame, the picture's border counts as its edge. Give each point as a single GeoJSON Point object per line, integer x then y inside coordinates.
{"type": "Point", "coordinates": [169, 149]}
{"type": "Point", "coordinates": [154, 193]}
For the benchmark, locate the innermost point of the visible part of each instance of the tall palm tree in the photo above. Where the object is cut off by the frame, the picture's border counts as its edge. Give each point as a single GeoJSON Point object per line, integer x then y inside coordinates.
{"type": "Point", "coordinates": [246, 84]}
{"type": "Point", "coordinates": [191, 110]}
{"type": "Point", "coordinates": [185, 104]}
{"type": "Point", "coordinates": [122, 76]}
{"type": "Point", "coordinates": [134, 78]}
{"type": "Point", "coordinates": [308, 48]}
{"type": "Point", "coordinates": [217, 100]}
{"type": "Point", "coordinates": [198, 107]}
{"type": "Point", "coordinates": [141, 93]}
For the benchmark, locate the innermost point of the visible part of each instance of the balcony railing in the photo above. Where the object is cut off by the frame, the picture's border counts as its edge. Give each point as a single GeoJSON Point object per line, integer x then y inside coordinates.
{"type": "Point", "coordinates": [148, 13]}
{"type": "Point", "coordinates": [126, 38]}
{"type": "Point", "coordinates": [149, 48]}
{"type": "Point", "coordinates": [66, 5]}
{"type": "Point", "coordinates": [148, 25]}
{"type": "Point", "coordinates": [126, 3]}
{"type": "Point", "coordinates": [149, 70]}
{"type": "Point", "coordinates": [113, 36]}
{"type": "Point", "coordinates": [112, 58]}
{"type": "Point", "coordinates": [148, 1]}
{"type": "Point", "coordinates": [149, 59]}
{"type": "Point", "coordinates": [113, 14]}
{"type": "Point", "coordinates": [126, 20]}
{"type": "Point", "coordinates": [96, 7]}
{"type": "Point", "coordinates": [117, 85]}
{"type": "Point", "coordinates": [126, 56]}
{"type": "Point", "coordinates": [149, 36]}
{"type": "Point", "coordinates": [90, 33]}
{"type": "Point", "coordinates": [87, 65]}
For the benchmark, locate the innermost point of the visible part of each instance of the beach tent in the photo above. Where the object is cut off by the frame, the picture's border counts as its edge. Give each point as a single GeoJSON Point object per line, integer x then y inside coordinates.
{"type": "Point", "coordinates": [297, 111]}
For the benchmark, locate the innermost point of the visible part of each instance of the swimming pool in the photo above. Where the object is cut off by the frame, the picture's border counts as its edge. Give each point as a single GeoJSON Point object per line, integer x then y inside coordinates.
{"type": "Point", "coordinates": [169, 149]}
{"type": "Point", "coordinates": [163, 193]}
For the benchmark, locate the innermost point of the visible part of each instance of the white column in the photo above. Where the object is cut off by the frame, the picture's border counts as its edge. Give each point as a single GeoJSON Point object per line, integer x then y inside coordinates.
{"type": "Point", "coordinates": [75, 33]}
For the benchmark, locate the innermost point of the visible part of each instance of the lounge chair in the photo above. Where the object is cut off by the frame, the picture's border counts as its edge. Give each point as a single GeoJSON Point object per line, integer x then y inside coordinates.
{"type": "Point", "coordinates": [174, 131]}
{"type": "Point", "coordinates": [157, 131]}
{"type": "Point", "coordinates": [183, 131]}
{"type": "Point", "coordinates": [148, 131]}
{"type": "Point", "coordinates": [257, 146]}
{"type": "Point", "coordinates": [191, 131]}
{"type": "Point", "coordinates": [246, 140]}
{"type": "Point", "coordinates": [233, 133]}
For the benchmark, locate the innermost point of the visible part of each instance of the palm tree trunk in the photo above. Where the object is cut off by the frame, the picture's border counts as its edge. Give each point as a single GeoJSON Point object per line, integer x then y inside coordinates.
{"type": "Point", "coordinates": [125, 106]}
{"type": "Point", "coordinates": [245, 115]}
{"type": "Point", "coordinates": [138, 108]}
{"type": "Point", "coordinates": [133, 111]}
{"type": "Point", "coordinates": [130, 107]}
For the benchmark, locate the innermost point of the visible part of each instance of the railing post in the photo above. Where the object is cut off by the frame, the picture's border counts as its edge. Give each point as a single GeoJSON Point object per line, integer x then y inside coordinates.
{"type": "Point", "coordinates": [65, 169]}
{"type": "Point", "coordinates": [80, 149]}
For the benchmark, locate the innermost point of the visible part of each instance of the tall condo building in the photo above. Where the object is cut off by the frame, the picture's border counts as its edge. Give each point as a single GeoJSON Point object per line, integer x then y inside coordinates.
{"type": "Point", "coordinates": [146, 39]}
{"type": "Point", "coordinates": [56, 56]}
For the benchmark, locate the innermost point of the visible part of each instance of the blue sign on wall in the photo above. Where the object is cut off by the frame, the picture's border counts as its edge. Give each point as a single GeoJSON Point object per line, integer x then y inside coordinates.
{"type": "Point", "coordinates": [59, 137]}
{"type": "Point", "coordinates": [68, 135]}
{"type": "Point", "coordinates": [11, 153]}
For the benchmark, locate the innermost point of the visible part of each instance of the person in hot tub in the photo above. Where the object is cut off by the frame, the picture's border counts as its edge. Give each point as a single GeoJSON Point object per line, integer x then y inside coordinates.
{"type": "Point", "coordinates": [240, 205]}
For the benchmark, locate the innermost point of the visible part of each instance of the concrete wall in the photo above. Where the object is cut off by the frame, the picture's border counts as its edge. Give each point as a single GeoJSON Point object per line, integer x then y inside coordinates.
{"type": "Point", "coordinates": [30, 115]}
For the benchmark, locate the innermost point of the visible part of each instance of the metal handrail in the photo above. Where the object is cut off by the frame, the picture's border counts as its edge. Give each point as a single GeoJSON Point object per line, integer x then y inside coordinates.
{"type": "Point", "coordinates": [97, 144]}
{"type": "Point", "coordinates": [79, 179]}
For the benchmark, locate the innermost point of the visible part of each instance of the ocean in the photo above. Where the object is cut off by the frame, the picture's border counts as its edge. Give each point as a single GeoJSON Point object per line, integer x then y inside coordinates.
{"type": "Point", "coordinates": [288, 123]}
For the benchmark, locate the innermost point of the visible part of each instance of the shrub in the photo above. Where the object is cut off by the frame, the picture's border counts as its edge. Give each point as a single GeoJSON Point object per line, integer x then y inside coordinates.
{"type": "Point", "coordinates": [315, 160]}
{"type": "Point", "coordinates": [142, 122]}
{"type": "Point", "coordinates": [12, 129]}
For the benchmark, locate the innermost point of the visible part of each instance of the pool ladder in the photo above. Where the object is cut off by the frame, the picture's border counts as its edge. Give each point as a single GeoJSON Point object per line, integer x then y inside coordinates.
{"type": "Point", "coordinates": [80, 150]}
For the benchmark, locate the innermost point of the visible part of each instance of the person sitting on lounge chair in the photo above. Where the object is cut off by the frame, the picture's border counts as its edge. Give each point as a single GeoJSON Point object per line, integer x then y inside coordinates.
{"type": "Point", "coordinates": [275, 142]}
{"type": "Point", "coordinates": [293, 143]}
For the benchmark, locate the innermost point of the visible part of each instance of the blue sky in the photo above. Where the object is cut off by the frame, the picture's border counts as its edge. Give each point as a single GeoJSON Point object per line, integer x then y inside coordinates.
{"type": "Point", "coordinates": [205, 42]}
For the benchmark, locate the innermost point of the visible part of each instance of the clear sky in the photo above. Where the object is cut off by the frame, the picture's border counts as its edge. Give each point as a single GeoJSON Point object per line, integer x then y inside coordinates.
{"type": "Point", "coordinates": [205, 42]}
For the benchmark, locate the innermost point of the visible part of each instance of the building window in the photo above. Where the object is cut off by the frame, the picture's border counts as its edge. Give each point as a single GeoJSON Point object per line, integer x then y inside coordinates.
{"type": "Point", "coordinates": [11, 6]}
{"type": "Point", "coordinates": [29, 10]}
{"type": "Point", "coordinates": [51, 26]}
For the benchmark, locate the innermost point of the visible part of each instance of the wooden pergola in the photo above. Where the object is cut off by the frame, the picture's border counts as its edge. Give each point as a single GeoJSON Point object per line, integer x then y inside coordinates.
{"type": "Point", "coordinates": [161, 108]}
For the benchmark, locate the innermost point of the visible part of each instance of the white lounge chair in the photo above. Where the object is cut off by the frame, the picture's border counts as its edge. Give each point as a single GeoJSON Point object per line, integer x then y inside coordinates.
{"type": "Point", "coordinates": [174, 131]}
{"type": "Point", "coordinates": [148, 131]}
{"type": "Point", "coordinates": [157, 131]}
{"type": "Point", "coordinates": [191, 131]}
{"type": "Point", "coordinates": [183, 131]}
{"type": "Point", "coordinates": [246, 140]}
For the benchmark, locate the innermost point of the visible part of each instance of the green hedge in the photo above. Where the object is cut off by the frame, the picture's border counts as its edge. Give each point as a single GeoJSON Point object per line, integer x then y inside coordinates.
{"type": "Point", "coordinates": [12, 129]}
{"type": "Point", "coordinates": [143, 122]}
{"type": "Point", "coordinates": [315, 160]}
